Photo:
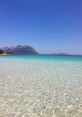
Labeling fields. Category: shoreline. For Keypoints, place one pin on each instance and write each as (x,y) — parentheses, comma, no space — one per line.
(5,54)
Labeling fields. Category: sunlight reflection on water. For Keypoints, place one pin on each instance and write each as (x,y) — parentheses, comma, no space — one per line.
(40,89)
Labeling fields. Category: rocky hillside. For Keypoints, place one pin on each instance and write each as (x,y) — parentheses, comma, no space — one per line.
(4,52)
(1,51)
(20,50)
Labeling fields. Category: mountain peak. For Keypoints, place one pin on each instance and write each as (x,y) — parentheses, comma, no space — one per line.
(20,49)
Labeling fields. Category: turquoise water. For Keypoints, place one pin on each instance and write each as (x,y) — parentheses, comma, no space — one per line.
(41,86)
(43,57)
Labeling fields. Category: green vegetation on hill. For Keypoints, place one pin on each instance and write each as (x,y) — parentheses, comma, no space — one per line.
(1,51)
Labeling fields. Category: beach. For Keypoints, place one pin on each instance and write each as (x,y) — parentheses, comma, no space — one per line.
(45,87)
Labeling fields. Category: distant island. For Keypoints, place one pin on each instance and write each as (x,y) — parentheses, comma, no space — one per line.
(62,54)
(25,50)
(20,50)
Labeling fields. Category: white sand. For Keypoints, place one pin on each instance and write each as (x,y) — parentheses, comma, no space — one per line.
(40,89)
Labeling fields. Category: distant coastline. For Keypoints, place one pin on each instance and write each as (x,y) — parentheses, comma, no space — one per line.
(27,50)
(3,53)
(20,50)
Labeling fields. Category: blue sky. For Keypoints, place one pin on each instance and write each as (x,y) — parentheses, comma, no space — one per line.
(50,26)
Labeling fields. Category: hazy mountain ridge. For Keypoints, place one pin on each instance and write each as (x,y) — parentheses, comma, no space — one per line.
(19,49)
(26,50)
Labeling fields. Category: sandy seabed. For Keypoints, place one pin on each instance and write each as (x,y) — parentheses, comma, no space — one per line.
(40,89)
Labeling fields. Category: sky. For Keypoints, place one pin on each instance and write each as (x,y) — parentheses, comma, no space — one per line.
(50,26)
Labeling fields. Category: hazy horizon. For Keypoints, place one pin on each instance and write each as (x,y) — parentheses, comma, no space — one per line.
(54,52)
(50,26)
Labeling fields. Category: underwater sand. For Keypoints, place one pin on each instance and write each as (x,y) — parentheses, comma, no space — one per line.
(40,88)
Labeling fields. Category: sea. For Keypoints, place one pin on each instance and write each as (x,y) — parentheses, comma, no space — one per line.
(40,86)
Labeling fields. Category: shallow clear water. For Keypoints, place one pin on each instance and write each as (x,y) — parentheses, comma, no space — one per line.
(41,86)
